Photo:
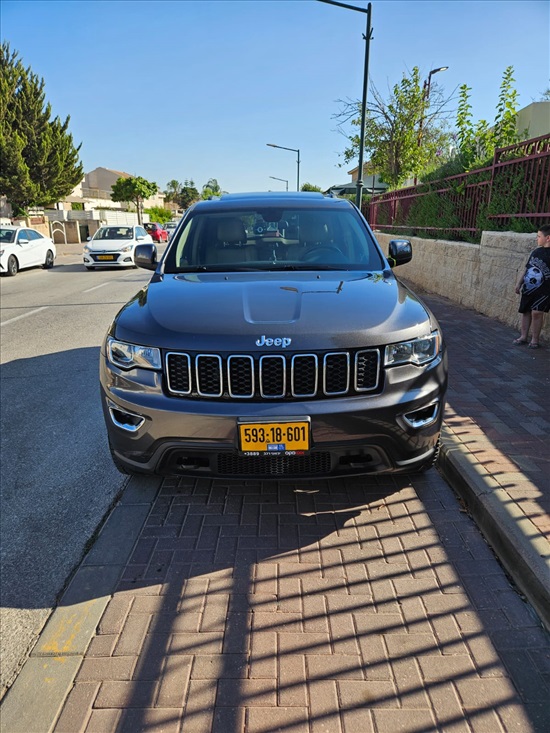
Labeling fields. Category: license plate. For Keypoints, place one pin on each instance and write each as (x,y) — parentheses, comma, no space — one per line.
(283,437)
(106,257)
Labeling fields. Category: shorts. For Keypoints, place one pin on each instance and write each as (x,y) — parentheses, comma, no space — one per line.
(534,302)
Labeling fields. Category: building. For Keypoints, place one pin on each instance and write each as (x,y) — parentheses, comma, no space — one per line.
(96,188)
(534,120)
(371,183)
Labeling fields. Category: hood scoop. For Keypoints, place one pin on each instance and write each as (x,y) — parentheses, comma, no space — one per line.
(271,303)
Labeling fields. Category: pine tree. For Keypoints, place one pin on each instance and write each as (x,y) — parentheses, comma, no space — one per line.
(40,164)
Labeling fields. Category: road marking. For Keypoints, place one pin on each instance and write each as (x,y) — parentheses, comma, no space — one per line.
(101,285)
(24,315)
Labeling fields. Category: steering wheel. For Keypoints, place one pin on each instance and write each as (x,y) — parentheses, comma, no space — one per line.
(318,254)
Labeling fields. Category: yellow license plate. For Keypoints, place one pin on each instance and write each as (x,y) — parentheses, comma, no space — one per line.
(106,257)
(286,436)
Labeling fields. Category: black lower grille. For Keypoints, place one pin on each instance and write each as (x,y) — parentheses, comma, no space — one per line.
(232,464)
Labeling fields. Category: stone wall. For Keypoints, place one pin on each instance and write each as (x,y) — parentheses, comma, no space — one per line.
(477,276)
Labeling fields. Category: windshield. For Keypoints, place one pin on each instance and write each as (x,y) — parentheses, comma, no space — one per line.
(272,239)
(114,233)
(7,236)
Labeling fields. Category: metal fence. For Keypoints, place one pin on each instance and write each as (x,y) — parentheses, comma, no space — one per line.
(514,188)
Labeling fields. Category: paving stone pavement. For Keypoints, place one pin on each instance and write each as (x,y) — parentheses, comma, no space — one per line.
(366,605)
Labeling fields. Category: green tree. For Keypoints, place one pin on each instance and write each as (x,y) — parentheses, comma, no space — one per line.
(188,194)
(211,188)
(405,134)
(159,214)
(477,142)
(40,164)
(173,190)
(310,187)
(135,191)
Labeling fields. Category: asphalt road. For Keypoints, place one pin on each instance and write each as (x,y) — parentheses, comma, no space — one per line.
(57,477)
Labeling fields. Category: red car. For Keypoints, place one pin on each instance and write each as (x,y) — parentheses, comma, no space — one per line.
(157,232)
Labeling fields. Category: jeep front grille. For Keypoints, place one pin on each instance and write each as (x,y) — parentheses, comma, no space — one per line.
(272,376)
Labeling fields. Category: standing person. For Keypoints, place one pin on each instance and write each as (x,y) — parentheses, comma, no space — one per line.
(533,285)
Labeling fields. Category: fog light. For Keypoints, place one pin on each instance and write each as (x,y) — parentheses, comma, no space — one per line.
(126,420)
(423,417)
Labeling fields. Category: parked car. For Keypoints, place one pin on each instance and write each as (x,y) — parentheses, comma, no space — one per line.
(296,355)
(113,246)
(22,247)
(170,227)
(157,232)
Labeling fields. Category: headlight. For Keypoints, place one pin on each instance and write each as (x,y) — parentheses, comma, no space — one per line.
(128,356)
(86,250)
(128,248)
(418,351)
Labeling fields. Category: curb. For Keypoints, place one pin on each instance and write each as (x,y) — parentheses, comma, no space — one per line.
(522,550)
(48,674)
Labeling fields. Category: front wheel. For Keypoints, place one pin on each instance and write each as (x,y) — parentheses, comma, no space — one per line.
(432,461)
(89,268)
(13,266)
(121,467)
(48,262)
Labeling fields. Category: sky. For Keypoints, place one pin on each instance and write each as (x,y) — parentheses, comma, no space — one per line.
(195,89)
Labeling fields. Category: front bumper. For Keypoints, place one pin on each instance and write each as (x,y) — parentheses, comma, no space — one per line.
(396,431)
(116,259)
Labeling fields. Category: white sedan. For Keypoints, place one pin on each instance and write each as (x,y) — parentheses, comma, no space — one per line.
(113,246)
(22,247)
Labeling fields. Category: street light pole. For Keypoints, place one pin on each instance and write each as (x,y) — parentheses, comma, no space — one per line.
(280,179)
(367,37)
(425,98)
(294,150)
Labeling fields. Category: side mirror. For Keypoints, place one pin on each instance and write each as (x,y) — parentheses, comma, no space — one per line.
(22,241)
(400,252)
(88,239)
(145,255)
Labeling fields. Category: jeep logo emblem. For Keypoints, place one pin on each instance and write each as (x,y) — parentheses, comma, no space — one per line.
(264,341)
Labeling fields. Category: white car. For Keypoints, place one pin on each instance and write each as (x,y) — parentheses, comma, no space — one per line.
(22,247)
(113,246)
(170,227)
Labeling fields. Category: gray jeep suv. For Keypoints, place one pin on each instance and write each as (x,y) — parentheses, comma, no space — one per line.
(273,340)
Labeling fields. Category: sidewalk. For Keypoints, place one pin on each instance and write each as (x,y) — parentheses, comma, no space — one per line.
(193,562)
(496,447)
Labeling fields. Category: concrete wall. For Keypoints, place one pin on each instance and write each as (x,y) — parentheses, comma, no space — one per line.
(477,276)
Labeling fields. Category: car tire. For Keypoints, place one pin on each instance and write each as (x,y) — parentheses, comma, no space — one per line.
(49,261)
(121,467)
(89,268)
(432,461)
(13,266)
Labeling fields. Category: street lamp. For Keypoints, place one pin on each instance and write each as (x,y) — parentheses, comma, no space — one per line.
(367,38)
(425,97)
(280,179)
(294,150)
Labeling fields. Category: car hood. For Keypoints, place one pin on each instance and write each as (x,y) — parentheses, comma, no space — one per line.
(234,311)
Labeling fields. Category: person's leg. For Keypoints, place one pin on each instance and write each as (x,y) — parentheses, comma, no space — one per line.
(525,325)
(537,318)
